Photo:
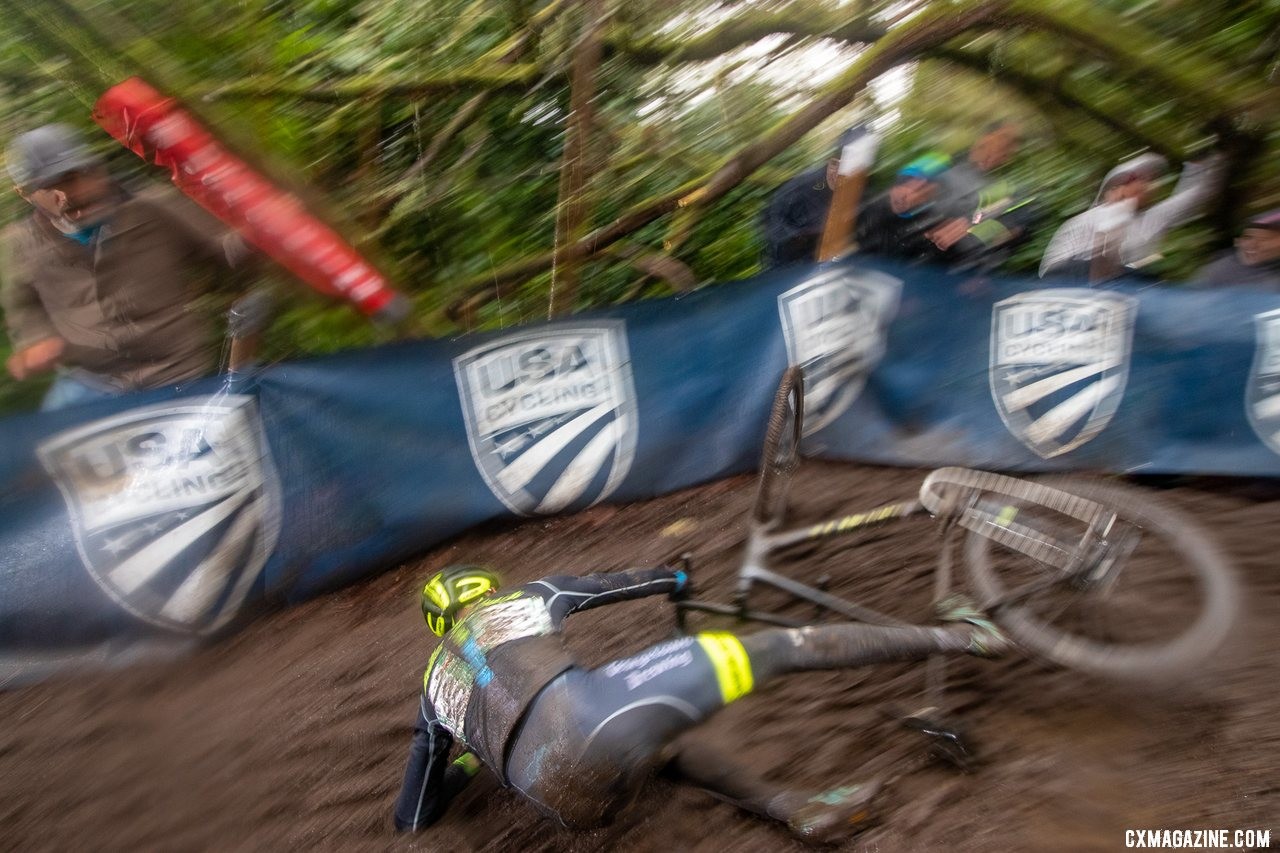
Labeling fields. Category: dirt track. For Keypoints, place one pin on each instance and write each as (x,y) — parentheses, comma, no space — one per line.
(293,733)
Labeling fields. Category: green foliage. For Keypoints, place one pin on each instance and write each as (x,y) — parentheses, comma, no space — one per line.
(490,196)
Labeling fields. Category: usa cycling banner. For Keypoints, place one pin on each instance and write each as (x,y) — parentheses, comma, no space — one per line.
(146,524)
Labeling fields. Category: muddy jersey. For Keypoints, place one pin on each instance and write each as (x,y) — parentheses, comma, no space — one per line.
(491,666)
(512,634)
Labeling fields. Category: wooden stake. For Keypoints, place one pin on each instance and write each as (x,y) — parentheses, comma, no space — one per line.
(856,156)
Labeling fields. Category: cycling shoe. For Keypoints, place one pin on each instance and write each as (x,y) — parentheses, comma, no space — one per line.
(834,815)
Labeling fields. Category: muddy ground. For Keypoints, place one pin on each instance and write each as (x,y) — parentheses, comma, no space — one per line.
(293,733)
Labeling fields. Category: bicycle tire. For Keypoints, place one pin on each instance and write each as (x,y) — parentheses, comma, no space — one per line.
(781,454)
(1214,602)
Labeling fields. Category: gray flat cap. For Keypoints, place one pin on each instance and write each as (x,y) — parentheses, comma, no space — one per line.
(39,157)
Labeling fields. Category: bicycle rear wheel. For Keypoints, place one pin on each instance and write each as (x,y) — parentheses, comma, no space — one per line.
(781,454)
(1152,597)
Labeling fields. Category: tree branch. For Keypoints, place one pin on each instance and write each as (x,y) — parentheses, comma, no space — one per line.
(485,76)
(491,72)
(1047,90)
(653,264)
(929,30)
(1197,81)
(804,21)
(900,45)
(507,53)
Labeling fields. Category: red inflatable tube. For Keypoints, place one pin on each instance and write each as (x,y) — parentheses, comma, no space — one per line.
(157,128)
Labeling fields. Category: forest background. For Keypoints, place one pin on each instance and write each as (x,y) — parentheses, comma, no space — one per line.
(509,160)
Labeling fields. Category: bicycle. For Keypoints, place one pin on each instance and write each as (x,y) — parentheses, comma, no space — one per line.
(1048,559)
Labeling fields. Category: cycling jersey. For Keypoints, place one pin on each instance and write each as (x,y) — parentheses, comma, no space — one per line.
(489,668)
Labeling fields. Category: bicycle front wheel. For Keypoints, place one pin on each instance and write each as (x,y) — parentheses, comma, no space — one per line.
(1148,595)
(781,455)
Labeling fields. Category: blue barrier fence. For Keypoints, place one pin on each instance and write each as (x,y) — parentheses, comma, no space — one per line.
(143,524)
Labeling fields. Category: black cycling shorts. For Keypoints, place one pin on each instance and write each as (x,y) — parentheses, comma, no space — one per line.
(592,737)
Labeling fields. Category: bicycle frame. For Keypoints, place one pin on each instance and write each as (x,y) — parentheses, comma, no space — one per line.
(987,505)
(762,543)
(765,540)
(1089,558)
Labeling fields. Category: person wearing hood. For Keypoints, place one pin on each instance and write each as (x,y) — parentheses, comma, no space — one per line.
(1255,260)
(893,223)
(793,220)
(1123,229)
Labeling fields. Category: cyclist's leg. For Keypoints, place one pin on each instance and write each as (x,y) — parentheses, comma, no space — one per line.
(825,816)
(844,645)
(593,737)
(834,814)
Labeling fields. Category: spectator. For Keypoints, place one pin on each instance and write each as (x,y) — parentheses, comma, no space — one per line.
(99,283)
(796,215)
(1123,230)
(892,224)
(983,215)
(1254,262)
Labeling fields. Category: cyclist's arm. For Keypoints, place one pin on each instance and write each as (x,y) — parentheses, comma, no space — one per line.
(565,594)
(430,780)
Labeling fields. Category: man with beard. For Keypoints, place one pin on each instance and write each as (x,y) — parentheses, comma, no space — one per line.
(100,284)
(983,215)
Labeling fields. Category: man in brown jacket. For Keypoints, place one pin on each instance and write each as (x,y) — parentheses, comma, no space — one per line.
(102,285)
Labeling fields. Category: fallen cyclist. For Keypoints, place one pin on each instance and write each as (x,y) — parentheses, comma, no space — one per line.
(580,743)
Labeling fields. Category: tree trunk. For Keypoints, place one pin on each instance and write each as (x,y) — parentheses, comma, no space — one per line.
(576,167)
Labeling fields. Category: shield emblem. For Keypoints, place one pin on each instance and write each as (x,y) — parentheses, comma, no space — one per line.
(174,508)
(1059,364)
(1262,398)
(551,414)
(835,325)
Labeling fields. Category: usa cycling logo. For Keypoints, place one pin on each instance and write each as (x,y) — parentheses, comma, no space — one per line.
(1059,364)
(835,326)
(174,507)
(1262,399)
(551,415)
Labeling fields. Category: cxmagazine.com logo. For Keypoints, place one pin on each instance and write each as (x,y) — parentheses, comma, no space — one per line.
(1199,839)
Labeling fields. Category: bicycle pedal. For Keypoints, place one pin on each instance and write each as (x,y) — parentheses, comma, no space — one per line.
(947,741)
